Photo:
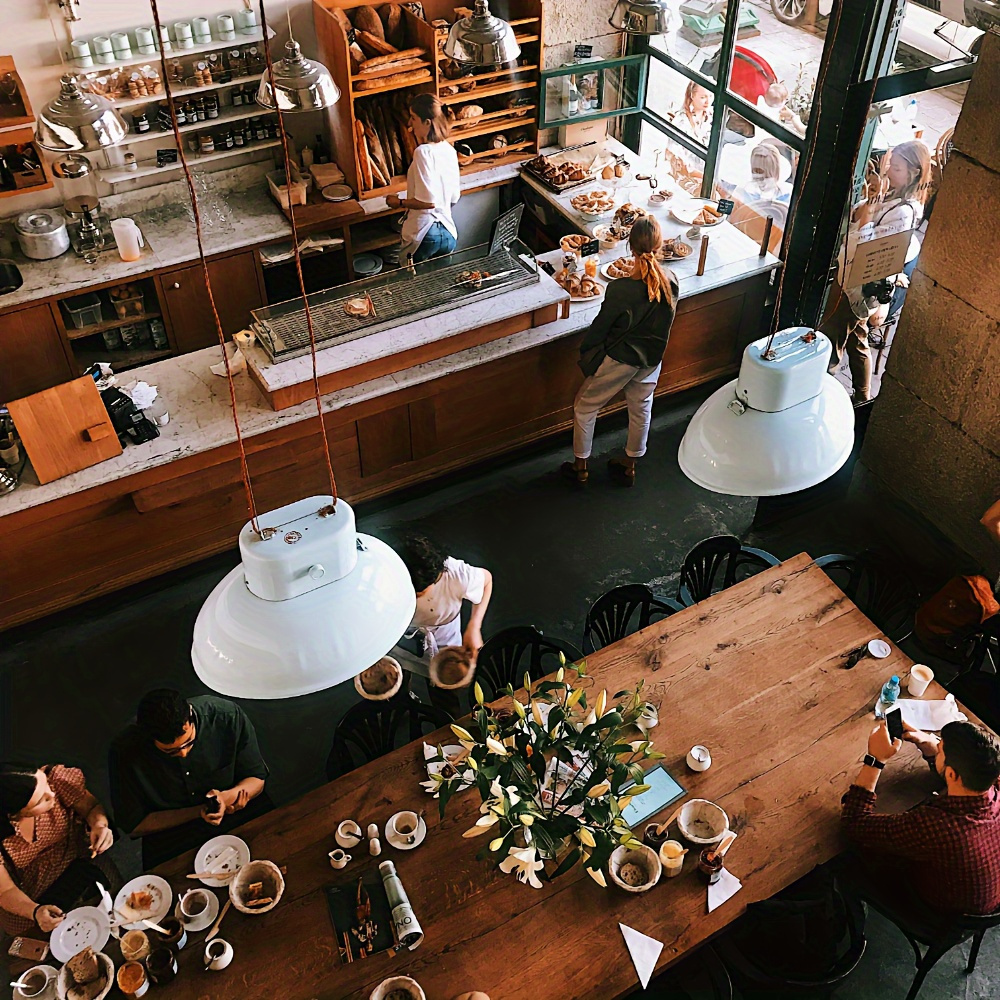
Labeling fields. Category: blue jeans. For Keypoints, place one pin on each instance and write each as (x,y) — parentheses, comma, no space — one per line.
(436,243)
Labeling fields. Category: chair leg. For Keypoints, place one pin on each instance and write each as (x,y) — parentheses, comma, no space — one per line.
(930,959)
(974,952)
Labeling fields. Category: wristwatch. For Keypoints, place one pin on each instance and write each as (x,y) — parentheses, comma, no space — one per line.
(870,761)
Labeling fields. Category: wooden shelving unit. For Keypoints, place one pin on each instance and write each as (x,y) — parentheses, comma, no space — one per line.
(23,135)
(17,129)
(491,88)
(78,333)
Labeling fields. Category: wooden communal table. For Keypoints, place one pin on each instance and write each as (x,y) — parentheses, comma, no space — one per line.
(755,673)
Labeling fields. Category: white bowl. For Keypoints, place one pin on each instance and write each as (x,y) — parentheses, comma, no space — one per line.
(645,857)
(65,980)
(385,987)
(257,871)
(702,822)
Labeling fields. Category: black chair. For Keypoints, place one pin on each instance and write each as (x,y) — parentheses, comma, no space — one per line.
(938,936)
(717,563)
(976,686)
(512,652)
(882,593)
(754,980)
(610,617)
(701,976)
(371,729)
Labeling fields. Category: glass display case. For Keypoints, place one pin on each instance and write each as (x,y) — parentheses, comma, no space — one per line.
(588,91)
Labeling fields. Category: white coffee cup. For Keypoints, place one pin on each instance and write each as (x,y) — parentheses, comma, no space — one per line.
(648,717)
(403,826)
(218,954)
(338,858)
(919,680)
(348,834)
(39,979)
(193,905)
(374,847)
(699,758)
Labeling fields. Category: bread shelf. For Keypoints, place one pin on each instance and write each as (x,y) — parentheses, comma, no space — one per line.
(497,125)
(492,91)
(73,333)
(117,175)
(358,77)
(425,79)
(153,59)
(229,114)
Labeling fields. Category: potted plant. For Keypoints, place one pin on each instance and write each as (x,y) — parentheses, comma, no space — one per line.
(552,773)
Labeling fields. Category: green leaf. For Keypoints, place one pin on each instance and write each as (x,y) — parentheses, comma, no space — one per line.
(571,859)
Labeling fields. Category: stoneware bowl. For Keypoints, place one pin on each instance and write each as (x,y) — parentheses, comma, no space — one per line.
(452,668)
(387,986)
(65,981)
(644,859)
(387,666)
(702,822)
(256,871)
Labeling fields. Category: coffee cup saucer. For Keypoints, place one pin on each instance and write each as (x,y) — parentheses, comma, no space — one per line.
(400,843)
(204,919)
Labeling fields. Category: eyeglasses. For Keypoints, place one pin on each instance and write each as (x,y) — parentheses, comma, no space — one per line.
(177,751)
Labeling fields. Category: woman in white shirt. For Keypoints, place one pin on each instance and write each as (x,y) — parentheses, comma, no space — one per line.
(433,184)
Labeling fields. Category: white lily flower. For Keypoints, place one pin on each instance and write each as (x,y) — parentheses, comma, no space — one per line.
(463,734)
(586,837)
(602,703)
(496,746)
(598,790)
(524,863)
(536,714)
(598,876)
(482,825)
(589,721)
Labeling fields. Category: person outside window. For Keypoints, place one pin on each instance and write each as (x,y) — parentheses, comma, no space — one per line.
(184,771)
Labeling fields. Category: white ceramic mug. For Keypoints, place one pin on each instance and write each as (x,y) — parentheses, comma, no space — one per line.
(225,27)
(129,239)
(648,717)
(403,826)
(218,954)
(193,905)
(246,21)
(338,858)
(699,758)
(374,847)
(919,679)
(40,978)
(202,30)
(348,834)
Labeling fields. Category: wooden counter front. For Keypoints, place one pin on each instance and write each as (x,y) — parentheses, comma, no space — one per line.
(98,540)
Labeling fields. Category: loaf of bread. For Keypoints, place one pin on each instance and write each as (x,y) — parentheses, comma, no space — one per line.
(342,19)
(403,55)
(372,45)
(393,24)
(470,111)
(395,80)
(365,19)
(84,967)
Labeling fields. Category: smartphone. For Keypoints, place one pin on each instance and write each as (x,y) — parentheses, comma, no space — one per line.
(894,720)
(28,948)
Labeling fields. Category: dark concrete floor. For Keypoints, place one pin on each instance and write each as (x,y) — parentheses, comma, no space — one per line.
(69,682)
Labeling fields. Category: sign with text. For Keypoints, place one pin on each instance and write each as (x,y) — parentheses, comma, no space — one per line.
(878,258)
(726,206)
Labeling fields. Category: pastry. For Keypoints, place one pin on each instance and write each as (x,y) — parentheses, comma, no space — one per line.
(140,901)
(84,967)
(572,242)
(621,268)
(607,173)
(354,307)
(593,203)
(708,216)
(627,215)
(674,249)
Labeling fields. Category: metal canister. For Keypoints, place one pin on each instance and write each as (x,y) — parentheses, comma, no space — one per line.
(42,234)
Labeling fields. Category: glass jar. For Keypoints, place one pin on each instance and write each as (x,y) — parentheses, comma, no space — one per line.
(272,128)
(259,129)
(237,97)
(239,140)
(206,143)
(226,140)
(130,162)
(200,109)
(181,111)
(140,123)
(212,106)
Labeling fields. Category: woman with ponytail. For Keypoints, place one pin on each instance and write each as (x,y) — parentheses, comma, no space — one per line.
(622,350)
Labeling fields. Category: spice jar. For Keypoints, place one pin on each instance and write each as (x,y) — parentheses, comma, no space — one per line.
(141,122)
(237,95)
(226,140)
(272,128)
(130,162)
(259,129)
(200,109)
(212,106)
(206,143)
(238,138)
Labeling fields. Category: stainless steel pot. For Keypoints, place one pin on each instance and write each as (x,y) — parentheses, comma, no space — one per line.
(42,234)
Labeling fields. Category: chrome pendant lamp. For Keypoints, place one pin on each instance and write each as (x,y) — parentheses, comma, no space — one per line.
(300,84)
(641,17)
(784,425)
(78,121)
(482,39)
(312,604)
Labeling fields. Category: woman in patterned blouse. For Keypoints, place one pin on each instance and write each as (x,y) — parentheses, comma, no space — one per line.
(51,828)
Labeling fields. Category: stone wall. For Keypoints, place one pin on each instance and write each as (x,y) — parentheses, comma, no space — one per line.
(934,437)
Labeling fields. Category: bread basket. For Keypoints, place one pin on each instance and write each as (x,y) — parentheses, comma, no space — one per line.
(266,872)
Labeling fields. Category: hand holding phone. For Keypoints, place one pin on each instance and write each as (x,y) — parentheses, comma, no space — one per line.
(894,722)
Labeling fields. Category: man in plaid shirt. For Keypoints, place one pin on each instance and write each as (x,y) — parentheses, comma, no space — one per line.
(949,846)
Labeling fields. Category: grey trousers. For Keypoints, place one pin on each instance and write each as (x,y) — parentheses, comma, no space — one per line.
(610,379)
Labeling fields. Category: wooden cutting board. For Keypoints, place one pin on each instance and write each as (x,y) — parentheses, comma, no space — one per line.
(65,428)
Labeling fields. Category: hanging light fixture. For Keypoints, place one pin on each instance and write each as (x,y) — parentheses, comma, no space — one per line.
(312,604)
(482,39)
(641,17)
(784,425)
(299,84)
(78,121)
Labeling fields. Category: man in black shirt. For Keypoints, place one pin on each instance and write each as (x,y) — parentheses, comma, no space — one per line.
(183,768)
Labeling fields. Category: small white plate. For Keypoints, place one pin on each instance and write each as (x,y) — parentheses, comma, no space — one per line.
(206,919)
(605,271)
(337,192)
(211,849)
(49,993)
(400,842)
(162,895)
(686,210)
(465,776)
(84,927)
(879,648)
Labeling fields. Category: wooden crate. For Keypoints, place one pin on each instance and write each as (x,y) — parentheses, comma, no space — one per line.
(20,113)
(391,99)
(37,181)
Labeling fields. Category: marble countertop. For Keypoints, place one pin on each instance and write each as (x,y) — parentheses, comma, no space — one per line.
(236,212)
(732,255)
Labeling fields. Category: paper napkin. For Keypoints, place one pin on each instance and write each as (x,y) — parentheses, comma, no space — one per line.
(644,951)
(727,887)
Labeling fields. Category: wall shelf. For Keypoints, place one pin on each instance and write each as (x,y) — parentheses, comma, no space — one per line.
(118,175)
(137,102)
(78,333)
(229,114)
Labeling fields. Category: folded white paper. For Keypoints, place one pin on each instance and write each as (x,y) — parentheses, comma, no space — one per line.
(644,951)
(237,364)
(727,887)
(930,716)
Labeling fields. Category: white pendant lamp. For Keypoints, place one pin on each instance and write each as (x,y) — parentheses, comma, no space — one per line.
(300,84)
(482,39)
(312,604)
(78,121)
(784,425)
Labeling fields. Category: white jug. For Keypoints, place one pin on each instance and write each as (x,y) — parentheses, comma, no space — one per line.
(129,239)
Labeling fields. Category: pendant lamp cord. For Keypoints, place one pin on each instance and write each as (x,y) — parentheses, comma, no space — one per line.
(817,111)
(244,469)
(297,253)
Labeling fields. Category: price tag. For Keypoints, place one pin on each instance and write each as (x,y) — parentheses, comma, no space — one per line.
(590,248)
(583,51)
(726,206)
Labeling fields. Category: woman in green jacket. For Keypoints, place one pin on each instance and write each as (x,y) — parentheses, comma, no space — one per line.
(622,350)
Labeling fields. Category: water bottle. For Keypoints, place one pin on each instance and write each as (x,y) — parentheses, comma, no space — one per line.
(408,929)
(890,692)
(911,110)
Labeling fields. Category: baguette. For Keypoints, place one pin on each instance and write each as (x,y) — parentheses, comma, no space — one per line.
(402,117)
(364,161)
(392,130)
(381,124)
(379,164)
(372,45)
(379,72)
(369,64)
(412,76)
